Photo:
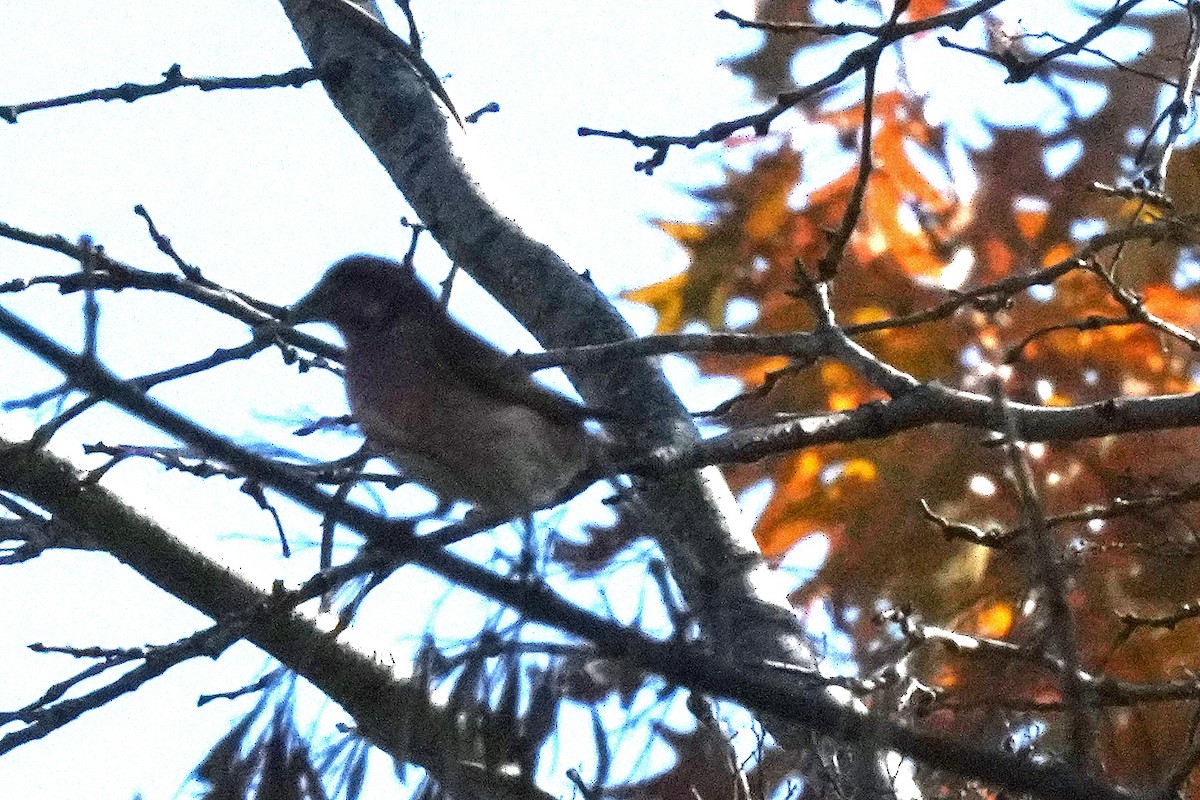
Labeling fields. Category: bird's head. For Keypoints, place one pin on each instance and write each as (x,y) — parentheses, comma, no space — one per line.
(363,293)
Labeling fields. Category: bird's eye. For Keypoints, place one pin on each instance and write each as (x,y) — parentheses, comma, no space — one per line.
(370,313)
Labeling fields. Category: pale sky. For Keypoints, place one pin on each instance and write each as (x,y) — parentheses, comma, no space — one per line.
(262,190)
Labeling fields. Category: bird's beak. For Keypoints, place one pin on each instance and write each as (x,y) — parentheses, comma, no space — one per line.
(309,308)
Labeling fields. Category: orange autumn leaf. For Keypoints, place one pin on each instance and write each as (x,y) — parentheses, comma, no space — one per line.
(892,158)
(995,256)
(754,371)
(890,230)
(1031,222)
(897,124)
(860,469)
(844,388)
(1172,305)
(666,298)
(920,9)
(995,621)
(868,314)
(1057,254)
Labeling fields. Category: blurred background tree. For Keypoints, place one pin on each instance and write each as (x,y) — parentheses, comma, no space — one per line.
(1000,213)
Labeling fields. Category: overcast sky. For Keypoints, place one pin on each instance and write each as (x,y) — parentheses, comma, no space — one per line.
(262,190)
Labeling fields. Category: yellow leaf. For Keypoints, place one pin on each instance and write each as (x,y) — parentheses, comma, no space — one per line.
(996,620)
(685,233)
(860,469)
(665,297)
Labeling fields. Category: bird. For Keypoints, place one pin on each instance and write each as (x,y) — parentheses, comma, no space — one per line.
(451,410)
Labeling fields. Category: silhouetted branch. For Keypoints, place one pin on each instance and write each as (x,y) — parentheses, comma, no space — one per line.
(173,78)
(760,123)
(22,471)
(1046,564)
(51,712)
(1020,70)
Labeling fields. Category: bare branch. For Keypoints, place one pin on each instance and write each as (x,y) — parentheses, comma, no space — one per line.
(51,712)
(1104,690)
(760,123)
(1046,564)
(1020,71)
(1117,508)
(173,78)
(42,478)
(827,267)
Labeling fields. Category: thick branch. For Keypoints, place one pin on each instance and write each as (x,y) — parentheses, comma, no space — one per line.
(712,555)
(795,697)
(391,712)
(932,404)
(388,710)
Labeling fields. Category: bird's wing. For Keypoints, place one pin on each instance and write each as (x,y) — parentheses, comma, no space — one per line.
(486,369)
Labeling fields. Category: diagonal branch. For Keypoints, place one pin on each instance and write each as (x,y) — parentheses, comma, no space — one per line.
(395,715)
(760,123)
(386,708)
(713,556)
(51,712)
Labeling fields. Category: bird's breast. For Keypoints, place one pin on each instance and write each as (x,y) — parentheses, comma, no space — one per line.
(457,441)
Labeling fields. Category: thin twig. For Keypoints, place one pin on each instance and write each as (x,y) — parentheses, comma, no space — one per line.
(1179,109)
(1047,564)
(760,123)
(1119,507)
(1020,71)
(173,78)
(164,245)
(827,267)
(49,713)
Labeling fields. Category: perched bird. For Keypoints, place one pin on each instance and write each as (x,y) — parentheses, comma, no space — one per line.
(448,408)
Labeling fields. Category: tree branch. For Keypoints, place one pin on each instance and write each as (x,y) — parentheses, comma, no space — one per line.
(173,78)
(364,687)
(711,552)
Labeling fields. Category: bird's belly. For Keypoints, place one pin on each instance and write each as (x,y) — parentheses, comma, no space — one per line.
(504,458)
